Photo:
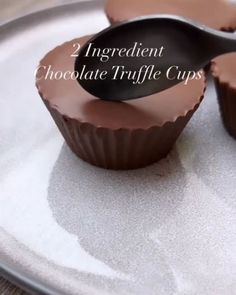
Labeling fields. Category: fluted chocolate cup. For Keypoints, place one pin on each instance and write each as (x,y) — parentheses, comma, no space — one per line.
(114,135)
(224,72)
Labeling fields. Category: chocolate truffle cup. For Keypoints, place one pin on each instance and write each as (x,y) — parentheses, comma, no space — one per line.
(115,135)
(222,12)
(222,17)
(223,70)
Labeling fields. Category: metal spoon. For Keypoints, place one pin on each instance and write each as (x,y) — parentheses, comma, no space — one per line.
(185,44)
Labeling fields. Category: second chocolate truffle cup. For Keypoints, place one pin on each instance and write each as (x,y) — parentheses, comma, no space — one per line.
(222,16)
(226,95)
(116,135)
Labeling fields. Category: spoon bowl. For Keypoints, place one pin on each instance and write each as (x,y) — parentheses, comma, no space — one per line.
(147,55)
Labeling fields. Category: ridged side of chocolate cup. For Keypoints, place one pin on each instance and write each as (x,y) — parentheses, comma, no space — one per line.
(119,149)
(226,96)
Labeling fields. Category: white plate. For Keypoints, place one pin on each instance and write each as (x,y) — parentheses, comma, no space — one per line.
(70,228)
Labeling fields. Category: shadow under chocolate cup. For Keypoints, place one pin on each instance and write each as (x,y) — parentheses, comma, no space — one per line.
(115,135)
(223,70)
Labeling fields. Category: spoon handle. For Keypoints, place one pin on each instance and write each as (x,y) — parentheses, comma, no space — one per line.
(221,42)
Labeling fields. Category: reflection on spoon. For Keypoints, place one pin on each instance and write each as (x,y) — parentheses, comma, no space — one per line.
(143,56)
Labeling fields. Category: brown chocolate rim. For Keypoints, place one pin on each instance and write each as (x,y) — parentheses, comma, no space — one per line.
(216,70)
(219,75)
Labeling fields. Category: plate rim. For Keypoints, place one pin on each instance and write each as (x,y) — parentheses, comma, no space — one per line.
(6,272)
(26,284)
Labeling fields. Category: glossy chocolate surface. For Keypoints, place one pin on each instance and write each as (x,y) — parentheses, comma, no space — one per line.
(71,100)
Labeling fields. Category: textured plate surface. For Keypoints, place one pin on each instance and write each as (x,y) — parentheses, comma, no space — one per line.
(76,229)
